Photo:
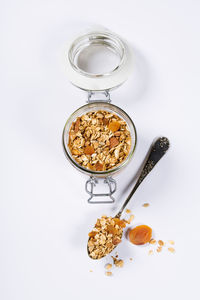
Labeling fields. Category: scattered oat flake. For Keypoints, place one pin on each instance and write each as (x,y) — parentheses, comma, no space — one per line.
(150,252)
(171,242)
(145,205)
(130,219)
(171,249)
(108,266)
(91,271)
(161,243)
(152,242)
(159,249)
(130,258)
(108,273)
(128,211)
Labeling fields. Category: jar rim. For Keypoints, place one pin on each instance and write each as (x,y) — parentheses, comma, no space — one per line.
(96,38)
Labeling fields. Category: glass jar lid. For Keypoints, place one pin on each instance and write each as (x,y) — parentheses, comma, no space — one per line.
(78,53)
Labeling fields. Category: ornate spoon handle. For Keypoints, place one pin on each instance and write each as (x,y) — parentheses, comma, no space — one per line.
(157,151)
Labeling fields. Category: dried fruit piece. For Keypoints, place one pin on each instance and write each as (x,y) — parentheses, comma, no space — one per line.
(161,243)
(108,266)
(114,126)
(140,235)
(111,229)
(108,273)
(99,166)
(171,249)
(89,150)
(113,142)
(145,205)
(92,233)
(152,241)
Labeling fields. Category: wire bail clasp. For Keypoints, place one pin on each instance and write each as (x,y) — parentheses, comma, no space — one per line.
(98,96)
(92,182)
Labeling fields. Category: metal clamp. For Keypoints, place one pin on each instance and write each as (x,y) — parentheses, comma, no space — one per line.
(97,97)
(92,182)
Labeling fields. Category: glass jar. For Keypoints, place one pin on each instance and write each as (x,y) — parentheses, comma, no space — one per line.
(98,87)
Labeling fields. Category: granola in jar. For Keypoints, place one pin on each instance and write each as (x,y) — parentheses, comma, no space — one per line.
(99,140)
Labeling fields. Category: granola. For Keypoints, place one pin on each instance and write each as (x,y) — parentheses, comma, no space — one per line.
(104,237)
(99,140)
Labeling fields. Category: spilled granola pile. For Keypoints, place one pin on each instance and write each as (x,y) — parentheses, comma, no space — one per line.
(99,140)
(107,233)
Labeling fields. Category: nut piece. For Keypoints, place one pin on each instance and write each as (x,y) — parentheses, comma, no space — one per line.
(108,266)
(113,142)
(161,243)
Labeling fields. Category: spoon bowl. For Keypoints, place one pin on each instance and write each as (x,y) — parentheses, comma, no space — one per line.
(158,149)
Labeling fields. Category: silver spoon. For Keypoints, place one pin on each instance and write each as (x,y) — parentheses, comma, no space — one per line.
(158,149)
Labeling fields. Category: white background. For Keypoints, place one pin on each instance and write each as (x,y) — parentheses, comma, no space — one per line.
(44,214)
